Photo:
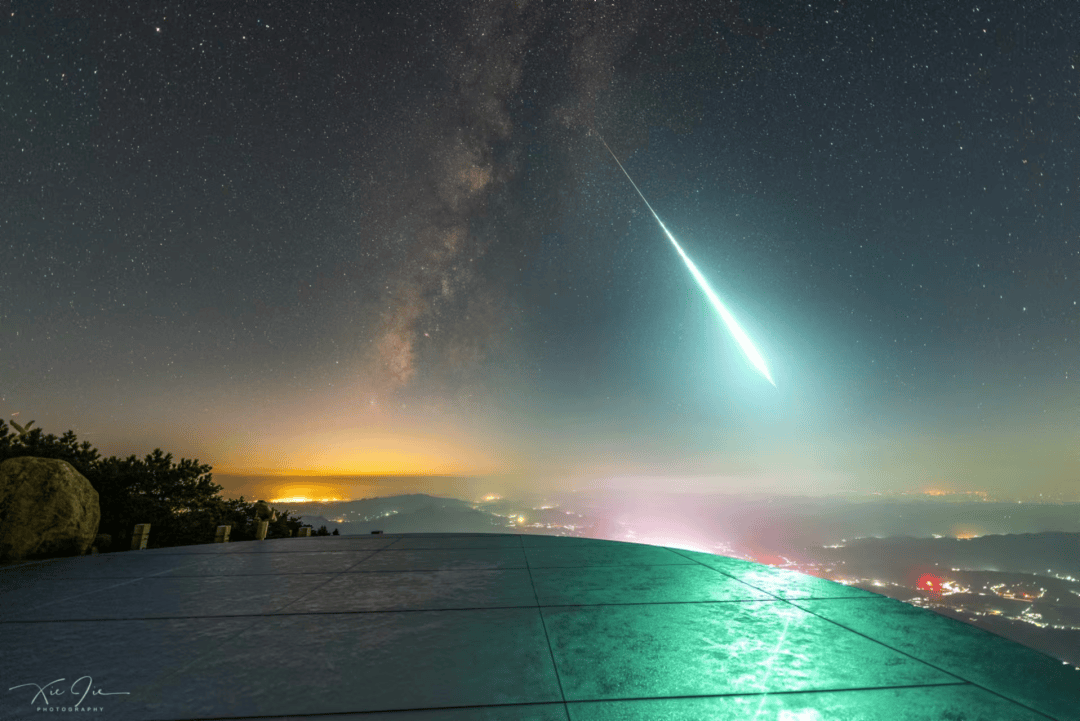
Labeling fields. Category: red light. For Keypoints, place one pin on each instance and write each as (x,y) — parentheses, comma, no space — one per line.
(930,583)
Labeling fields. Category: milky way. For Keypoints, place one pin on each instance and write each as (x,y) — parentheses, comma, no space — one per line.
(276,236)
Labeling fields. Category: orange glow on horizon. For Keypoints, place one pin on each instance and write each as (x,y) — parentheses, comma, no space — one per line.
(255,473)
(967,531)
(357,452)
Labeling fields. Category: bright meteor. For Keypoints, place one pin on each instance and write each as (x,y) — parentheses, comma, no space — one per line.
(733,326)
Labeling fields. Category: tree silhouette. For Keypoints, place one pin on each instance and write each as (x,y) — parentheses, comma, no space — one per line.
(179,501)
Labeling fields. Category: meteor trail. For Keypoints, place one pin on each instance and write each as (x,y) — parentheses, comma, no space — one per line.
(733,326)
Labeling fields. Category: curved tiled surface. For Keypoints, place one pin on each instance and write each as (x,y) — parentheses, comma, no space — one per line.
(449,627)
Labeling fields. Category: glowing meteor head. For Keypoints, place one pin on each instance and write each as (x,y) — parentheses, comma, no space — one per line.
(733,326)
(745,344)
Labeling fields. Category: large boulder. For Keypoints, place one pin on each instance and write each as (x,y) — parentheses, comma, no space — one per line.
(263,512)
(102,543)
(47,509)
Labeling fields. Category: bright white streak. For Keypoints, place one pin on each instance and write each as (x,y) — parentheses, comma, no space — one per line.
(733,326)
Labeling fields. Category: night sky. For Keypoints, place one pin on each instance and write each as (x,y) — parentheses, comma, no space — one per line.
(313,244)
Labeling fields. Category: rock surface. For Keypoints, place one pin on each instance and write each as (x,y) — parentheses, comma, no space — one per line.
(263,512)
(102,543)
(47,509)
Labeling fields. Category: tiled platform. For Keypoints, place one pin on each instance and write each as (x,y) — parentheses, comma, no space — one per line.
(431,627)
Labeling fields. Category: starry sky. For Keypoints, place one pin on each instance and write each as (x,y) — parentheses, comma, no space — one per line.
(345,249)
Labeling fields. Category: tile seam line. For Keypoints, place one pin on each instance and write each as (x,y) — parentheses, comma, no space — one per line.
(98,590)
(387,570)
(904,653)
(543,624)
(462,609)
(933,665)
(633,699)
(163,679)
(422,709)
(756,694)
(817,691)
(695,561)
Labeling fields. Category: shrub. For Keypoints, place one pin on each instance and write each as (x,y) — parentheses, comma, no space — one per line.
(179,501)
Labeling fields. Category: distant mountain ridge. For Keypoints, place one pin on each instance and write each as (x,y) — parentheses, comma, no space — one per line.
(410,513)
(1017,552)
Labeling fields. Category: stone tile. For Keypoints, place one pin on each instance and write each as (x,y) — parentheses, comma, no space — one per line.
(443,534)
(119,657)
(794,585)
(1010,669)
(32,595)
(690,649)
(443,560)
(780,582)
(132,564)
(196,549)
(524,712)
(714,561)
(454,541)
(540,541)
(651,584)
(330,663)
(335,629)
(926,703)
(422,590)
(312,544)
(603,556)
(165,597)
(275,563)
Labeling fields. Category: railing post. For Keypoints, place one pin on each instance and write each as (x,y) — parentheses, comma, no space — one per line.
(222,535)
(140,537)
